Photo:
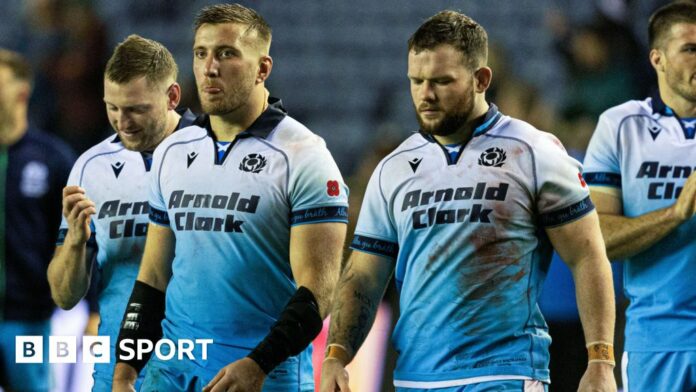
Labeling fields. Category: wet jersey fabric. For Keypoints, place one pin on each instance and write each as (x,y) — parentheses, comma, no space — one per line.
(116,180)
(231,208)
(644,152)
(467,235)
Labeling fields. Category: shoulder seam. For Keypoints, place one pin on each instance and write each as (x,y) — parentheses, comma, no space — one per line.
(619,129)
(84,166)
(164,155)
(379,179)
(531,150)
(287,164)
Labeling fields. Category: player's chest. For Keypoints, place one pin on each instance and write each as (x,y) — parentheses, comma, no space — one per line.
(654,171)
(244,181)
(119,186)
(483,186)
(244,166)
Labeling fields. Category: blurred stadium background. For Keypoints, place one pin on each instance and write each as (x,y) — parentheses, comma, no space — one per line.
(340,68)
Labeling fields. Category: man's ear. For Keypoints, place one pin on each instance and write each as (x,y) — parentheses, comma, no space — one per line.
(484,76)
(657,60)
(173,96)
(265,67)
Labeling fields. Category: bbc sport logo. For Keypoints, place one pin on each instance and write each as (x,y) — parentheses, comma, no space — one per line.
(95,349)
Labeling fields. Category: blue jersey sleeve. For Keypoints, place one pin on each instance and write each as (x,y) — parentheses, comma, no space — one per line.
(375,232)
(562,193)
(317,191)
(602,166)
(158,208)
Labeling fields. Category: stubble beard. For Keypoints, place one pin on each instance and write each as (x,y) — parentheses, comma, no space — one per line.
(150,139)
(685,90)
(229,103)
(451,122)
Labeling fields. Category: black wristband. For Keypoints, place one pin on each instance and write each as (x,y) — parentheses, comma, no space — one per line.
(142,321)
(296,328)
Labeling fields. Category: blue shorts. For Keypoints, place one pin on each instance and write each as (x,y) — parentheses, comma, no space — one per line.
(30,377)
(184,375)
(659,371)
(490,386)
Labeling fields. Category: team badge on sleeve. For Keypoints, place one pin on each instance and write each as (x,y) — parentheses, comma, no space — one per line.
(332,188)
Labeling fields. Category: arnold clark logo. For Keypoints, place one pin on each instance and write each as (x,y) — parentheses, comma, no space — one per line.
(95,349)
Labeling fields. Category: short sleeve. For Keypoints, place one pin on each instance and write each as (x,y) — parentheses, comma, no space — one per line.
(375,232)
(158,208)
(562,193)
(75,178)
(602,166)
(317,191)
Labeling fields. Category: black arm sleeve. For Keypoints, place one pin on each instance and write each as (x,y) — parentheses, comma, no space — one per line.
(296,328)
(143,320)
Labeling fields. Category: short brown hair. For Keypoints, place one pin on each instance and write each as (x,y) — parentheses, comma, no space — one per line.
(662,20)
(456,29)
(136,57)
(234,13)
(20,67)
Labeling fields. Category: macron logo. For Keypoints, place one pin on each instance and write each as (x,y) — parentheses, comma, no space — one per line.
(117,167)
(190,158)
(414,163)
(654,131)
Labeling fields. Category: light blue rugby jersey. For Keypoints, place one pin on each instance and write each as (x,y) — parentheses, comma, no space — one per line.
(641,149)
(116,180)
(470,248)
(231,215)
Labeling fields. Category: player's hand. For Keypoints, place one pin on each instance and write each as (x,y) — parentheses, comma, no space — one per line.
(243,375)
(78,210)
(334,377)
(685,207)
(599,377)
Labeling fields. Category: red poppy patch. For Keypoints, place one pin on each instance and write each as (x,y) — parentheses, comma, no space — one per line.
(582,180)
(332,188)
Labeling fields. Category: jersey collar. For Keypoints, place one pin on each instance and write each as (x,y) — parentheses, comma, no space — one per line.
(482,124)
(659,106)
(263,125)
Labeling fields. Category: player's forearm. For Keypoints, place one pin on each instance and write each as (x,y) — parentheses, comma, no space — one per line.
(156,264)
(315,258)
(625,237)
(354,310)
(322,290)
(68,275)
(594,290)
(124,372)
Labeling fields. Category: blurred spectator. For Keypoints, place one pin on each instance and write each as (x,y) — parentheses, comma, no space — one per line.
(33,168)
(67,44)
(600,63)
(516,97)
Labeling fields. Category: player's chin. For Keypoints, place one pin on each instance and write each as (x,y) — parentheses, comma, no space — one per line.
(139,145)
(431,127)
(215,109)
